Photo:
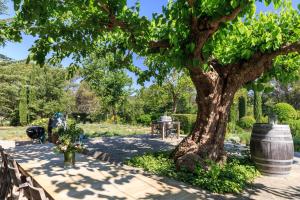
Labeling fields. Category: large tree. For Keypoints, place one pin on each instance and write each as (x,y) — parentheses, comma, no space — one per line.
(222,44)
(179,86)
(86,100)
(112,86)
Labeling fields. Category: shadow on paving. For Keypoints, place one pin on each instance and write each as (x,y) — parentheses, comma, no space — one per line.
(51,165)
(109,182)
(119,149)
(292,192)
(86,186)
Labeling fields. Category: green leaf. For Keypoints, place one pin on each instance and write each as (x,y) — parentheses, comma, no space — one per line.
(17,4)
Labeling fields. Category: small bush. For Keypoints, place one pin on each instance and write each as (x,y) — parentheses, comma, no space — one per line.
(144,119)
(298,114)
(230,178)
(246,122)
(297,144)
(244,135)
(264,119)
(71,121)
(295,127)
(186,121)
(285,112)
(43,122)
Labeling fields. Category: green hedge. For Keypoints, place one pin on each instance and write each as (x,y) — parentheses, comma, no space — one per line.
(186,121)
(246,122)
(285,112)
(144,119)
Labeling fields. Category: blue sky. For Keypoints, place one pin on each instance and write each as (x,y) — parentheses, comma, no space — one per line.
(19,51)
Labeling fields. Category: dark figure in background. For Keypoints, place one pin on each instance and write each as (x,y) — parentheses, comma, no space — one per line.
(58,120)
(50,130)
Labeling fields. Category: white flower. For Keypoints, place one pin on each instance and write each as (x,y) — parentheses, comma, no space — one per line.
(64,148)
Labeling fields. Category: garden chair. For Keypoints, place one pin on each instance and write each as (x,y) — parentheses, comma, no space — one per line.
(5,180)
(35,193)
(155,129)
(171,130)
(17,186)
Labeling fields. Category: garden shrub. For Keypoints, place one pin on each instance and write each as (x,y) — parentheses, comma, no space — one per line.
(156,116)
(298,114)
(71,121)
(114,119)
(43,122)
(230,178)
(242,105)
(244,135)
(144,119)
(295,127)
(297,144)
(264,119)
(246,122)
(285,112)
(230,129)
(186,121)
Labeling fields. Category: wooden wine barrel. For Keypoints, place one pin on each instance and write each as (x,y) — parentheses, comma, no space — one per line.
(272,148)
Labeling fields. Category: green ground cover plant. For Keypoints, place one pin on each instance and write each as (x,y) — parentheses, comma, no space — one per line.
(233,177)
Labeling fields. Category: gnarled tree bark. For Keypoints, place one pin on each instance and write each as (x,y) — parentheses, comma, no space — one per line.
(215,93)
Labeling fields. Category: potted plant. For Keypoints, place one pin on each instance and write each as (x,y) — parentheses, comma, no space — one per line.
(68,143)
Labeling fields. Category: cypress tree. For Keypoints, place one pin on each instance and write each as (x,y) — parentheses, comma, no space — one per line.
(23,106)
(257,106)
(242,106)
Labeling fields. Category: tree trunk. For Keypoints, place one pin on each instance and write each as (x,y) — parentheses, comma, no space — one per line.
(214,98)
(175,102)
(114,112)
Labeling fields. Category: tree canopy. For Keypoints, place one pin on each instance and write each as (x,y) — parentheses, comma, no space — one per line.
(75,29)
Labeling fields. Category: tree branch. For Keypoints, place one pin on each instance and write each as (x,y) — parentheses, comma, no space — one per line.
(259,63)
(216,23)
(159,44)
(208,28)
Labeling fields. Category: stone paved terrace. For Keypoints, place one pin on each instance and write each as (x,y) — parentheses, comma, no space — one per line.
(96,179)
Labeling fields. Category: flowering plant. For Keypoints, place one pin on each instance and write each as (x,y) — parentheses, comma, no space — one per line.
(68,140)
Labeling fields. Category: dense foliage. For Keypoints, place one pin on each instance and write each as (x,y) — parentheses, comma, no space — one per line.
(112,86)
(29,92)
(230,178)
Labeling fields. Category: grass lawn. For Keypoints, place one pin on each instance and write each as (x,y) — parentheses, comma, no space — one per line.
(13,133)
(92,130)
(107,129)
